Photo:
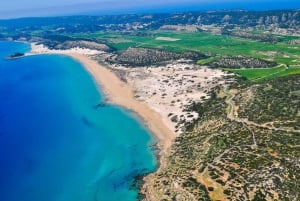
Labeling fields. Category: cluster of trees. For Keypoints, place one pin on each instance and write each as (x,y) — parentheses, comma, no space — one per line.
(241,62)
(148,56)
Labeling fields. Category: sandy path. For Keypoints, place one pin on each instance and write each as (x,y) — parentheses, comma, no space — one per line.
(121,94)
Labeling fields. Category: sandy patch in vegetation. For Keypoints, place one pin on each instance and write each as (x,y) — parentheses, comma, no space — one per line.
(167,39)
(170,89)
(41,49)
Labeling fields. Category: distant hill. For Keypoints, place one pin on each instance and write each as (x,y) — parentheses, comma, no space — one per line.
(227,20)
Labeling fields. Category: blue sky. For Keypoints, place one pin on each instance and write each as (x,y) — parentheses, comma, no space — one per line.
(23,8)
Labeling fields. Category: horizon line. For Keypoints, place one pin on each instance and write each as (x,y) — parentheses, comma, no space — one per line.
(144,11)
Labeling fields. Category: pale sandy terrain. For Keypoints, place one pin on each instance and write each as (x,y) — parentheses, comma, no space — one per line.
(169,89)
(167,39)
(41,49)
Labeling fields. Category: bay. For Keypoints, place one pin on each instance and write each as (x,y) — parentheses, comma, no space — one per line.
(57,141)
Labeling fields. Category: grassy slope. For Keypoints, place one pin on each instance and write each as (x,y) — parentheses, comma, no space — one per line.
(266,73)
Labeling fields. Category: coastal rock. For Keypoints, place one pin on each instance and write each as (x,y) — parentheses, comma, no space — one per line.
(15,55)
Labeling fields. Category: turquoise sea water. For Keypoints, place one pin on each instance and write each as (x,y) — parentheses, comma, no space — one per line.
(55,143)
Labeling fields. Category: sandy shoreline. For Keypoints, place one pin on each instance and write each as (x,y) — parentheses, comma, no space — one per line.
(120,93)
(116,91)
(159,95)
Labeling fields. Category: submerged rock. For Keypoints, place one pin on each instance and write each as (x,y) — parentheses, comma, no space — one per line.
(15,55)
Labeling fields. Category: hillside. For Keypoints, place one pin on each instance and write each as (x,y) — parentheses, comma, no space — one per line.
(220,21)
(244,146)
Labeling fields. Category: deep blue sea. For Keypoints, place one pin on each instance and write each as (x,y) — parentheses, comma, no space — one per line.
(55,143)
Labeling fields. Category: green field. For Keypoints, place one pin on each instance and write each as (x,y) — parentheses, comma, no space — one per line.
(258,75)
(206,61)
(283,53)
(202,42)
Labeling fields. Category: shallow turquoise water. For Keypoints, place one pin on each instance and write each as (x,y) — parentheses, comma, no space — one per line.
(55,143)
